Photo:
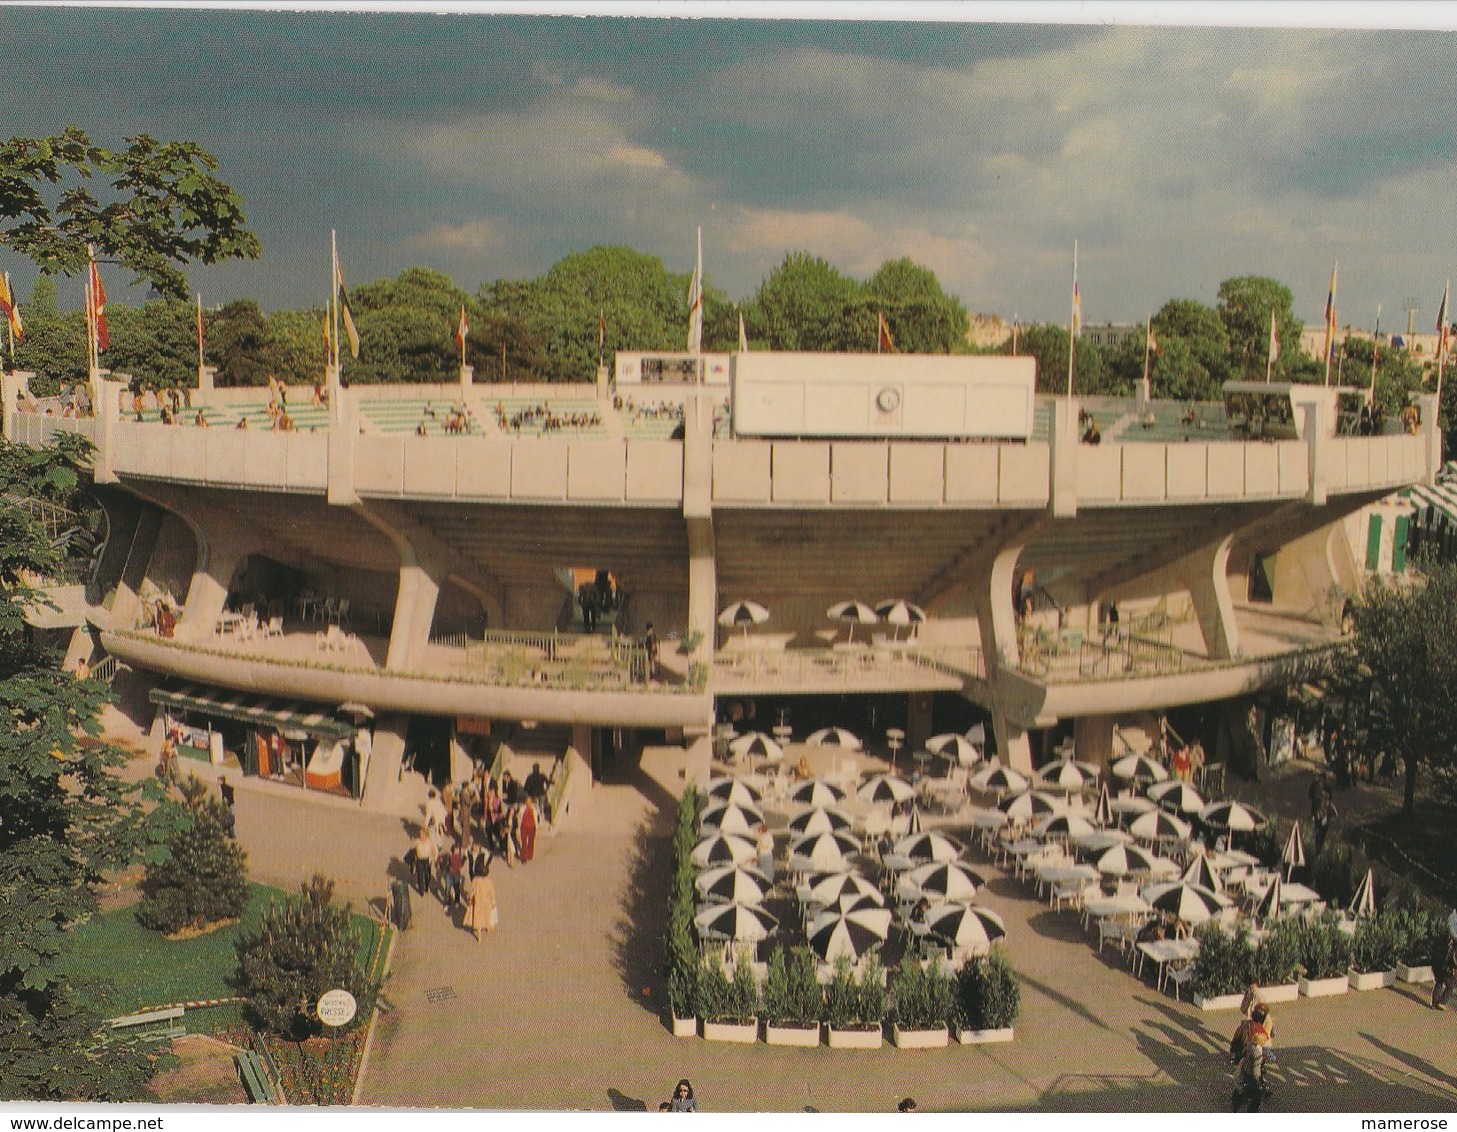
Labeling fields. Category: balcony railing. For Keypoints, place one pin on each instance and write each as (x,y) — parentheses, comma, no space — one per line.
(913,666)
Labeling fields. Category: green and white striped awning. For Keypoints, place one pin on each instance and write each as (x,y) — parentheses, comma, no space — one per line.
(1435,503)
(245,707)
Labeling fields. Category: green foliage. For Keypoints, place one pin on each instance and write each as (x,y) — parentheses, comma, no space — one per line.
(870,1002)
(805,997)
(842,998)
(1048,344)
(775,1005)
(1378,942)
(1245,303)
(202,879)
(165,208)
(989,993)
(1325,950)
(714,992)
(681,961)
(1421,934)
(1276,956)
(305,946)
(923,997)
(1193,362)
(743,997)
(1224,964)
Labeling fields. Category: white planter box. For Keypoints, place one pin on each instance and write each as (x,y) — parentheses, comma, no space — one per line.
(855,1039)
(1219,1002)
(685,1027)
(983,1037)
(919,1039)
(1414,974)
(746,1033)
(1324,988)
(1285,992)
(1372,980)
(804,1036)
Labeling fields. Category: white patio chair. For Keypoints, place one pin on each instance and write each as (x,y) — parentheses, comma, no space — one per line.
(275,626)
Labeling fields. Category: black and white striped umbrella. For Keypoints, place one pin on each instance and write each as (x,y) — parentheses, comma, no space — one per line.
(1177,797)
(741,922)
(999,779)
(816,793)
(730,817)
(1202,874)
(965,926)
(1159,826)
(743,613)
(819,821)
(1188,902)
(885,788)
(1270,905)
(1364,902)
(826,849)
(1293,855)
(853,613)
(1132,805)
(851,934)
(1121,860)
(941,881)
(1103,810)
(724,849)
(732,790)
(732,884)
(826,888)
(849,901)
(834,737)
(1139,768)
(928,846)
(957,748)
(1063,825)
(898,611)
(1032,804)
(1068,774)
(756,745)
(1235,816)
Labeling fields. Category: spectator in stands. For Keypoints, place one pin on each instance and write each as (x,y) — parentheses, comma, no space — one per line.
(83,670)
(1092,434)
(587,600)
(200,420)
(321,396)
(242,422)
(511,792)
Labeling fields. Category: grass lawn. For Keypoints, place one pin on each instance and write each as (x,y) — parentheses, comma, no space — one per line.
(144,969)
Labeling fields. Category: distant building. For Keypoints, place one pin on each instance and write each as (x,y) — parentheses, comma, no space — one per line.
(1111,335)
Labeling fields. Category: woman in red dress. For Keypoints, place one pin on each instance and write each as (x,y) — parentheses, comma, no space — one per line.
(528,831)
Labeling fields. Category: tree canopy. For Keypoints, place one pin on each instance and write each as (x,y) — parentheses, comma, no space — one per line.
(1245,303)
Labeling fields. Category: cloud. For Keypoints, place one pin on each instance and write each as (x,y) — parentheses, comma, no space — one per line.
(476,237)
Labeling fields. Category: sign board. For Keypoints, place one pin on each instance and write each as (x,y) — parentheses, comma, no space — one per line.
(337,1008)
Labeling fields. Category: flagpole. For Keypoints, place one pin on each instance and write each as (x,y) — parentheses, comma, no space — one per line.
(333,302)
(1147,339)
(1270,353)
(1375,346)
(1072,323)
(199,333)
(1330,321)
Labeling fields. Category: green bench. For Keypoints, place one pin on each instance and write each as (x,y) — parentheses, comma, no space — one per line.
(254,1075)
(152,1025)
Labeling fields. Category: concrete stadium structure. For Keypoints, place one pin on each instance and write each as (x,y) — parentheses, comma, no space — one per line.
(458,552)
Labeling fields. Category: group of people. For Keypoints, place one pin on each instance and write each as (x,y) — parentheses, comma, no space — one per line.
(1251,1050)
(544,419)
(466,827)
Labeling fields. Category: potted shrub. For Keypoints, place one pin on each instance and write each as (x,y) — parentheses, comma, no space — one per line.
(922,998)
(989,998)
(1222,971)
(735,1002)
(683,969)
(792,1000)
(1275,961)
(1325,956)
(850,1019)
(1374,953)
(1420,932)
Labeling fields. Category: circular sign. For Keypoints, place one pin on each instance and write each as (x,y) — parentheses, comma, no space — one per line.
(337,1007)
(888,399)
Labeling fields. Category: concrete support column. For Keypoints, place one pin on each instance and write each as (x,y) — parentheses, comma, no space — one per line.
(414,614)
(1064,440)
(582,744)
(698,515)
(1012,743)
(467,378)
(1427,405)
(1093,738)
(205,383)
(207,595)
(343,438)
(995,616)
(1206,572)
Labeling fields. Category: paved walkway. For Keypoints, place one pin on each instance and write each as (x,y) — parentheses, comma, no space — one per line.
(548,1012)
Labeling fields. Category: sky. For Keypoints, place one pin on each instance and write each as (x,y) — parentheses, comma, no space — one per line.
(489,146)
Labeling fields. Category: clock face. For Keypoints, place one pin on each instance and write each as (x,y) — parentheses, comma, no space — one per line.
(888,399)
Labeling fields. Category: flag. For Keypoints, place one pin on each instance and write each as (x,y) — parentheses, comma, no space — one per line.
(1444,329)
(350,330)
(1330,315)
(695,303)
(1016,326)
(1077,331)
(1375,345)
(11,309)
(743,335)
(462,330)
(883,341)
(96,305)
(1274,337)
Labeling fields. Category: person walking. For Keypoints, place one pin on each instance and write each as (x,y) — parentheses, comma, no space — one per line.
(683,1098)
(422,861)
(481,914)
(1252,1090)
(527,831)
(1444,971)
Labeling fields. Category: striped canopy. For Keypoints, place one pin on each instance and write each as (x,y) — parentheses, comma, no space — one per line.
(1188,902)
(1157,825)
(999,778)
(928,846)
(260,711)
(1139,768)
(965,926)
(834,737)
(756,745)
(851,934)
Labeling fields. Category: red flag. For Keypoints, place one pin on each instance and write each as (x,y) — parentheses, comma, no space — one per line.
(463,329)
(96,296)
(11,309)
(883,341)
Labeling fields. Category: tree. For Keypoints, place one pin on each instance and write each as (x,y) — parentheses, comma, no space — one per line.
(156,343)
(54,347)
(1245,303)
(923,319)
(66,819)
(1048,344)
(165,208)
(305,946)
(1193,359)
(202,878)
(802,306)
(1398,670)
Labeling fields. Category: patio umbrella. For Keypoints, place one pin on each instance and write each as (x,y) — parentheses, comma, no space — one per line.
(851,934)
(1032,804)
(999,778)
(743,613)
(756,745)
(987,819)
(724,849)
(730,817)
(885,788)
(732,790)
(1063,825)
(853,613)
(1269,906)
(965,926)
(816,793)
(928,846)
(957,748)
(819,821)
(1188,902)
(1099,840)
(824,848)
(834,737)
(941,881)
(1293,854)
(1177,797)
(1068,774)
(976,735)
(1199,872)
(825,888)
(1132,805)
(1121,860)
(1234,816)
(1139,768)
(1157,826)
(734,921)
(852,902)
(1364,902)
(731,884)
(898,612)
(1103,811)
(914,824)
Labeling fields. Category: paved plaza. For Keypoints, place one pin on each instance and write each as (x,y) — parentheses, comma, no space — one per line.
(549,1011)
